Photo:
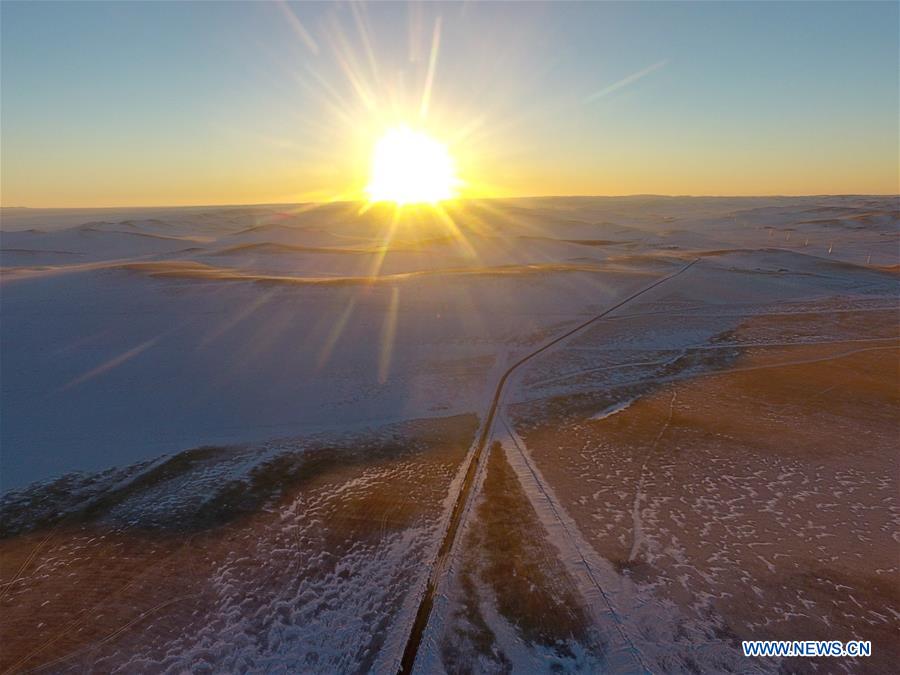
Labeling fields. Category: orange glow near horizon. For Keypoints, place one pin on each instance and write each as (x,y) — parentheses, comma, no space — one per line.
(421,103)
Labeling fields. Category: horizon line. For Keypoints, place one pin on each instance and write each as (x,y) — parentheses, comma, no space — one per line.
(458,199)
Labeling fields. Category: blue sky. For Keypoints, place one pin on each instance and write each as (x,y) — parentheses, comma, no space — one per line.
(175,103)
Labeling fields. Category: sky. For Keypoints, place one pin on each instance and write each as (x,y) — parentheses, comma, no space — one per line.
(145,104)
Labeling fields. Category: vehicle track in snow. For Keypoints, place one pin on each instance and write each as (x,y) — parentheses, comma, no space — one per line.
(465,494)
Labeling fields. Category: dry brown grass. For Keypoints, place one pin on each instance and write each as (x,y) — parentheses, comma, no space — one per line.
(507,554)
(769,489)
(520,564)
(90,593)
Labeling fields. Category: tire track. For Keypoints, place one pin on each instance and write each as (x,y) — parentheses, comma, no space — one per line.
(426,604)
(592,577)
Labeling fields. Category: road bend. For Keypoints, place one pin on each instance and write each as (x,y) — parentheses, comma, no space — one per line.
(411,651)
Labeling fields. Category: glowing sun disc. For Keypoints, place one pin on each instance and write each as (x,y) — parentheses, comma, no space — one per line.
(411,167)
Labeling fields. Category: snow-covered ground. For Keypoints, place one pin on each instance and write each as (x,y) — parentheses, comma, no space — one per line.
(229,392)
(135,334)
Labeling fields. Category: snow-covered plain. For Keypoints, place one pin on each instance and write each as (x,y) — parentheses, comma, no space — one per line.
(290,342)
(132,335)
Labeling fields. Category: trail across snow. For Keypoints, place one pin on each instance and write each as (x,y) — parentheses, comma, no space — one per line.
(466,493)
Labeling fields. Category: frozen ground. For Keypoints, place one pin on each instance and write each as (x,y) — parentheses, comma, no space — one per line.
(287,556)
(233,436)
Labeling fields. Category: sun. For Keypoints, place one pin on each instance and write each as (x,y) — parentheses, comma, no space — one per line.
(411,167)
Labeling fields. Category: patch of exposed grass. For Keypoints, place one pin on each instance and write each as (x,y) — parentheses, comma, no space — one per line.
(266,483)
(472,636)
(532,588)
